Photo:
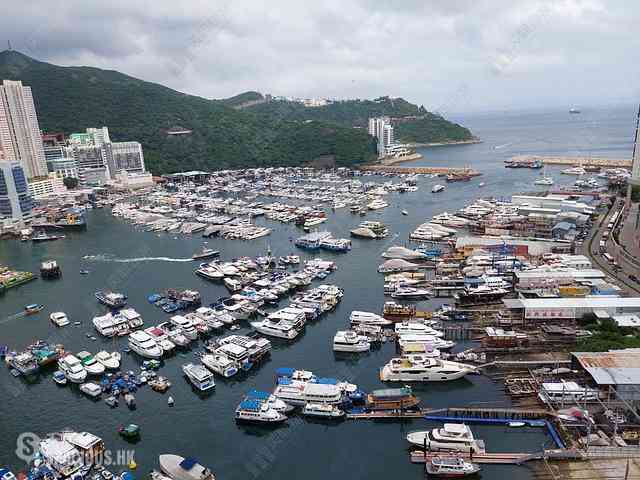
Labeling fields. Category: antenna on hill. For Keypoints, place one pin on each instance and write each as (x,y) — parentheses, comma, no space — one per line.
(9,45)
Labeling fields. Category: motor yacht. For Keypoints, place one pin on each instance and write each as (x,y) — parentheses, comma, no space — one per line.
(451,437)
(322,410)
(72,368)
(276,328)
(299,393)
(199,376)
(437,188)
(450,467)
(418,368)
(144,345)
(59,319)
(220,363)
(110,361)
(179,468)
(350,341)
(369,318)
(90,363)
(186,327)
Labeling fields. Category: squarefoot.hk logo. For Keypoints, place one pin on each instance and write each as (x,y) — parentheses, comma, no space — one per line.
(27,446)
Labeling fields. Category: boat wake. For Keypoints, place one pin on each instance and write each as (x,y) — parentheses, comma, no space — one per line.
(504,145)
(104,257)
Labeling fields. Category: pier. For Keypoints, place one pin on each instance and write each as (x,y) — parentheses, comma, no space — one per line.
(494,458)
(577,160)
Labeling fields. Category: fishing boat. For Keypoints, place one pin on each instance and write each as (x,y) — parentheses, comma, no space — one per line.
(322,410)
(33,308)
(205,253)
(179,468)
(111,299)
(450,467)
(199,376)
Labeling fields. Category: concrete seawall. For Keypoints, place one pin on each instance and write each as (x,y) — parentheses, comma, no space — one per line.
(578,160)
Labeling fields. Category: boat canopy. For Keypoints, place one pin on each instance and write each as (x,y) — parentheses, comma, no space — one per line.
(258,395)
(327,381)
(285,371)
(250,404)
(188,463)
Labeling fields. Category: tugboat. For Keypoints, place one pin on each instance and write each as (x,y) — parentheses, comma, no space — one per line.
(50,269)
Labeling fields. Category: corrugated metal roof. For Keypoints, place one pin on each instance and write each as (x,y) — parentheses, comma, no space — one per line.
(588,302)
(620,367)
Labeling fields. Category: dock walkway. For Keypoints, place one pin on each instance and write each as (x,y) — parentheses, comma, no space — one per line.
(577,160)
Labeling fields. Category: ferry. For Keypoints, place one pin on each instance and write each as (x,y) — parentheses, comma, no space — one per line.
(295,392)
(255,411)
(111,299)
(392,399)
(199,376)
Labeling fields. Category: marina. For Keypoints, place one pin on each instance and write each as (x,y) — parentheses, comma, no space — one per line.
(116,251)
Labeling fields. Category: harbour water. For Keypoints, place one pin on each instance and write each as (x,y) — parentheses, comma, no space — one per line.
(123,258)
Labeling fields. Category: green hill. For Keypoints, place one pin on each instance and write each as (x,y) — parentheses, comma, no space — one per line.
(69,99)
(412,123)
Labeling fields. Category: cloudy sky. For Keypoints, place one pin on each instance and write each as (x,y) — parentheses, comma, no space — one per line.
(450,55)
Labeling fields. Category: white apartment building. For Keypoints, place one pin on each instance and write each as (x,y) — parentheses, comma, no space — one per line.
(53,184)
(15,202)
(381,128)
(20,138)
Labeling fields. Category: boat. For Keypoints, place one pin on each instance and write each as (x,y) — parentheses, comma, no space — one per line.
(451,437)
(111,299)
(220,363)
(437,188)
(574,171)
(59,319)
(90,364)
(59,377)
(6,474)
(404,212)
(350,341)
(276,328)
(72,368)
(199,376)
(271,400)
(394,311)
(300,393)
(322,410)
(254,411)
(481,184)
(205,253)
(144,345)
(110,361)
(44,237)
(368,318)
(450,467)
(24,363)
(33,308)
(50,269)
(516,424)
(421,368)
(574,110)
(392,399)
(544,181)
(179,468)
(411,293)
(93,390)
(129,431)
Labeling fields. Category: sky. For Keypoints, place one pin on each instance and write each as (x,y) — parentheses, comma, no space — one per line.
(448,55)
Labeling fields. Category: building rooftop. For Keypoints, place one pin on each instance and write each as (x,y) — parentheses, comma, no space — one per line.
(616,367)
(596,302)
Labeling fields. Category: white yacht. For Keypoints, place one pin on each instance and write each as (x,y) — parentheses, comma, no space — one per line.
(437,188)
(210,316)
(93,390)
(110,361)
(59,319)
(90,363)
(279,328)
(179,468)
(415,327)
(350,341)
(72,368)
(358,317)
(377,204)
(544,181)
(254,411)
(186,327)
(220,363)
(450,466)
(199,376)
(411,292)
(419,368)
(575,171)
(162,338)
(145,346)
(322,410)
(299,393)
(451,437)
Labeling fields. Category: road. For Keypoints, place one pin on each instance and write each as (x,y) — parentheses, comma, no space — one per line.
(591,248)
